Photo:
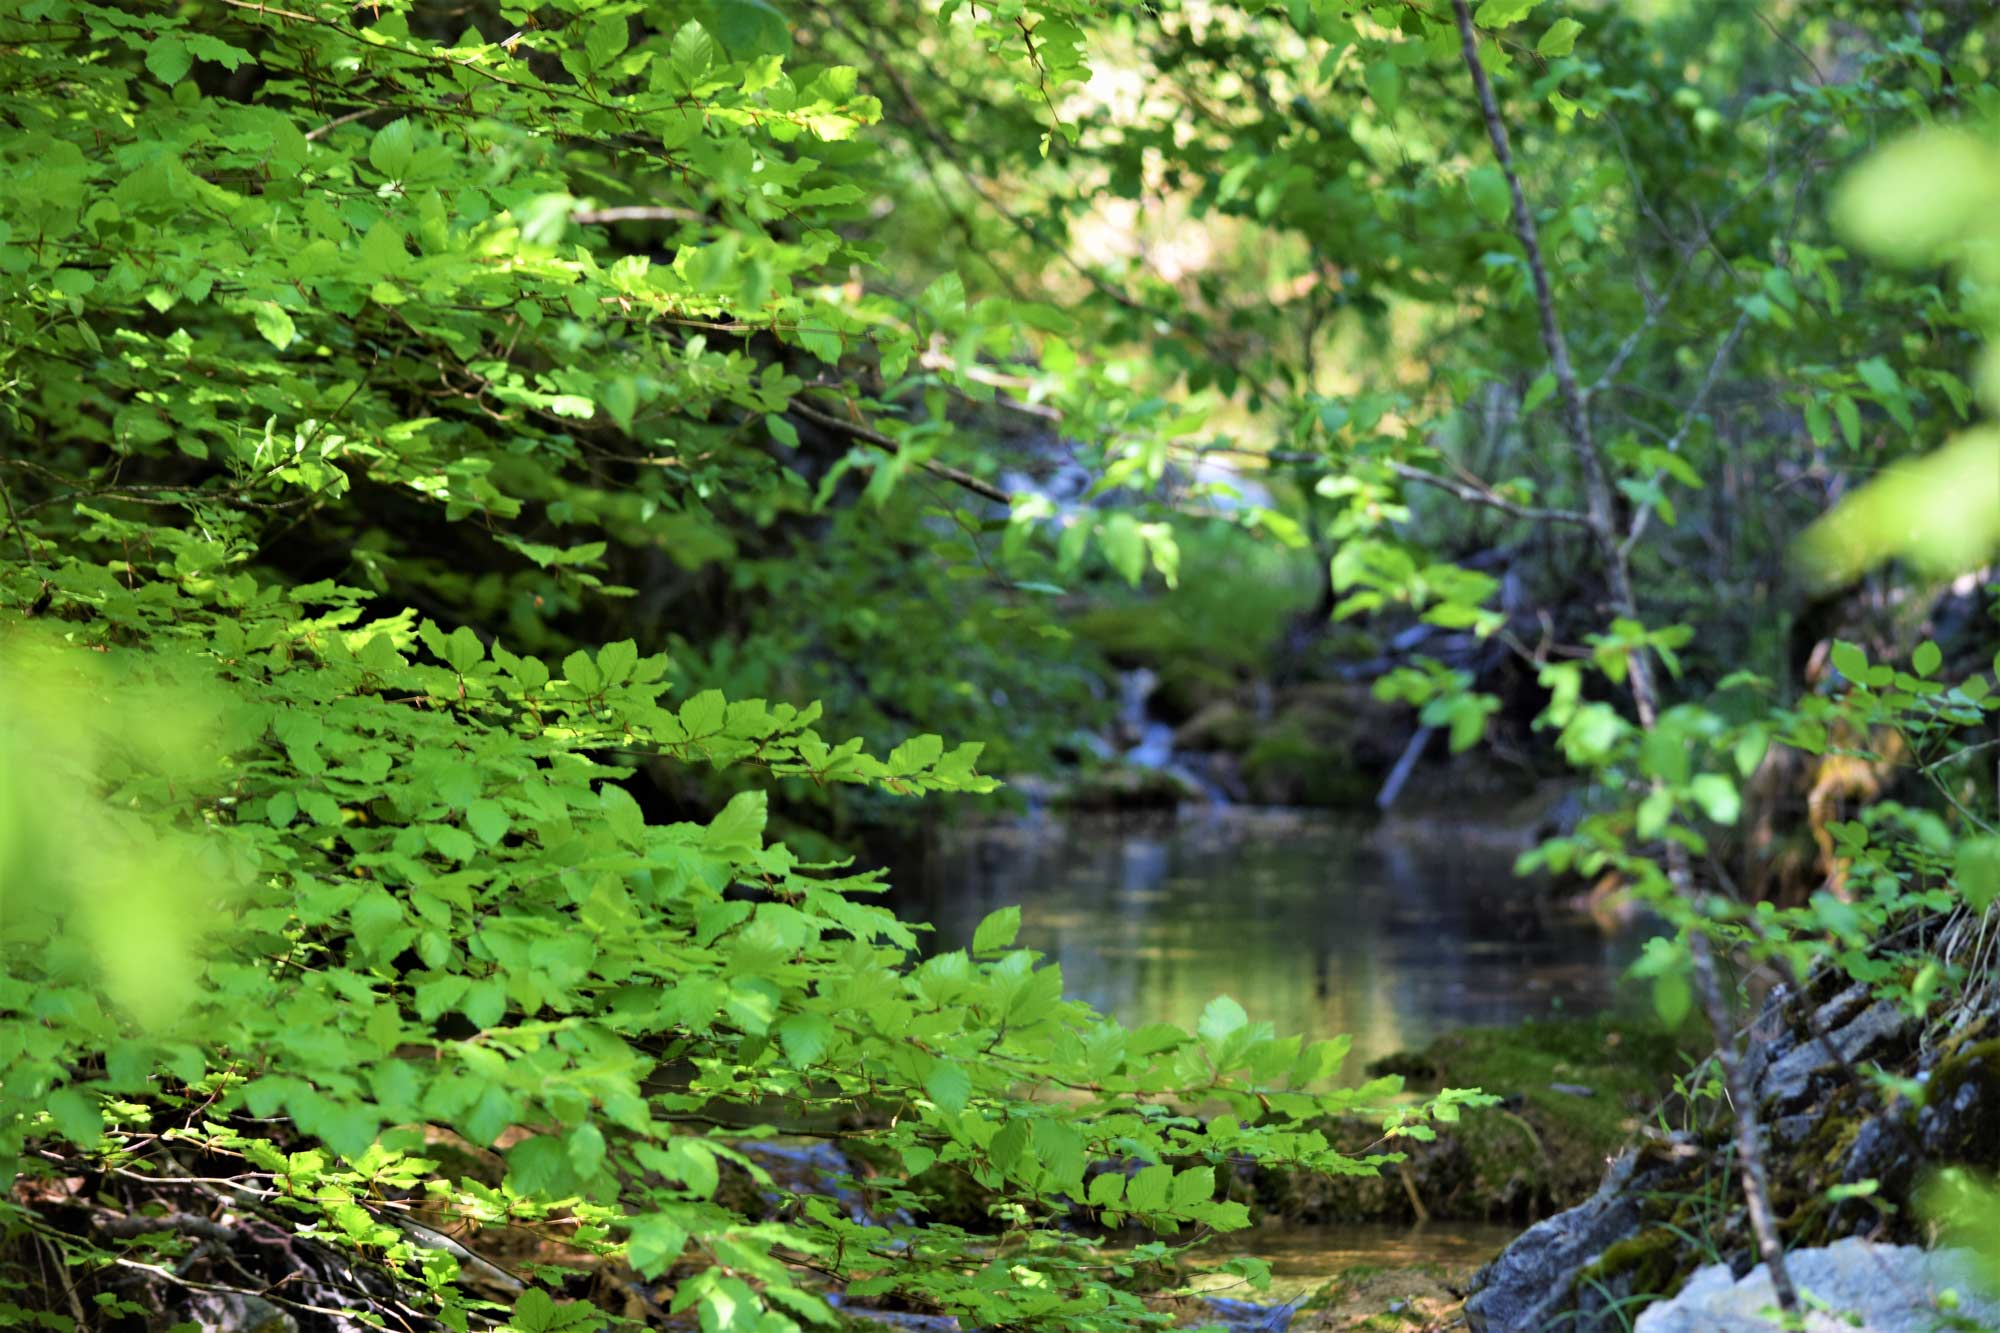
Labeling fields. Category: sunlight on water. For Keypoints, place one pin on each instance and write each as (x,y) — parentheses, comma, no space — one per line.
(1323,926)
(1303,1258)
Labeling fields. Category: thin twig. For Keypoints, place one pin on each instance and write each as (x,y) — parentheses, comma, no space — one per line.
(1674,442)
(1645,701)
(1488,498)
(338,121)
(854,430)
(14,522)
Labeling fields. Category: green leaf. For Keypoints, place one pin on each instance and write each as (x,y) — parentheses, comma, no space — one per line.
(693,53)
(703,715)
(804,1037)
(167,59)
(1849,417)
(534,1312)
(1490,195)
(1124,546)
(948,1085)
(1927,659)
(919,752)
(1538,392)
(1653,814)
(1146,1192)
(451,842)
(997,931)
(606,40)
(1749,752)
(392,149)
(376,915)
(1915,198)
(656,1241)
(485,1002)
(1500,13)
(1196,1185)
(1221,1018)
(1716,794)
(1672,998)
(487,820)
(76,1116)
(739,826)
(1560,39)
(1978,872)
(274,324)
(1880,377)
(586,1150)
(1385,85)
(1850,661)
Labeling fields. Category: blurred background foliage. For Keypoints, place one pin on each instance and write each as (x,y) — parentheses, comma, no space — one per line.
(457,453)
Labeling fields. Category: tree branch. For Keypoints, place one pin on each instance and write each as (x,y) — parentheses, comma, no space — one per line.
(1673,444)
(856,431)
(1603,527)
(1488,498)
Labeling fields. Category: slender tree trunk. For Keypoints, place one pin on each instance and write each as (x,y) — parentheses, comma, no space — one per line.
(1603,525)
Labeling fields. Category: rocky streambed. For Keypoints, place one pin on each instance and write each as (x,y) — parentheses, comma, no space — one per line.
(1665,1233)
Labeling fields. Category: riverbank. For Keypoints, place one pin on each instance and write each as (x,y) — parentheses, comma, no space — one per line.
(1869,1104)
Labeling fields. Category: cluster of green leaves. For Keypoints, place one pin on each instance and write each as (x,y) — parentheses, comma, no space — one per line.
(358,375)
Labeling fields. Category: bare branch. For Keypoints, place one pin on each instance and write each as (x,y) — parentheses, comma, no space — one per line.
(1695,404)
(854,430)
(1488,498)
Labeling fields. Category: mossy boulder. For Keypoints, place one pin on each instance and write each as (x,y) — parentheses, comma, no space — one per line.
(1368,1300)
(1650,1264)
(1289,767)
(1960,1122)
(1113,787)
(1325,745)
(1582,1087)
(1544,1148)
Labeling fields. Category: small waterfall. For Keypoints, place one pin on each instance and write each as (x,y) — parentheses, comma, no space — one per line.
(1146,742)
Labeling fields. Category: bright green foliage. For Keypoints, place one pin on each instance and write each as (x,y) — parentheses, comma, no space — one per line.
(349,365)
(378,380)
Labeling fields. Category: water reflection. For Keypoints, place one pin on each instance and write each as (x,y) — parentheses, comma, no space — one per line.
(1390,933)
(1303,1258)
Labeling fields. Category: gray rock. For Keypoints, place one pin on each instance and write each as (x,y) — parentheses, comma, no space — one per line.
(1840,1009)
(1788,1080)
(239,1312)
(1769,1036)
(1789,1131)
(1890,1288)
(1527,1286)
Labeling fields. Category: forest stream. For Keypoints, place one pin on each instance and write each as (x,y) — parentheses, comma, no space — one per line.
(1395,933)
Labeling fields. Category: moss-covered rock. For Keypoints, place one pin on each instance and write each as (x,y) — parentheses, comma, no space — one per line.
(1288,766)
(1648,1264)
(1540,1151)
(1844,1154)
(1373,1300)
(1118,787)
(1960,1122)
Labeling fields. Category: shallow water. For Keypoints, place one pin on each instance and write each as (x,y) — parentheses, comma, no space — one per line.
(1393,933)
(1303,1259)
